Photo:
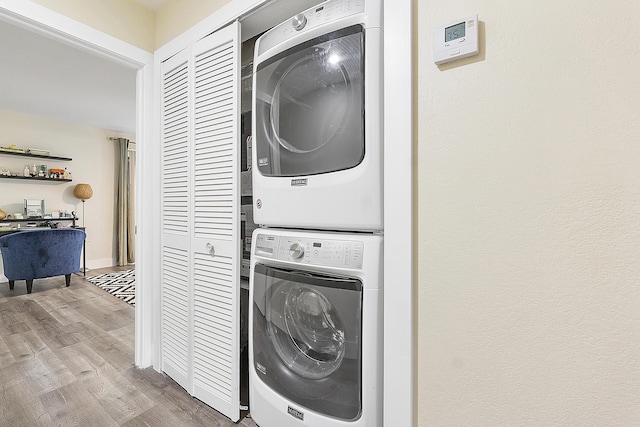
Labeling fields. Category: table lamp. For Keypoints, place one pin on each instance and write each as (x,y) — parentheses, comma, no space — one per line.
(83,192)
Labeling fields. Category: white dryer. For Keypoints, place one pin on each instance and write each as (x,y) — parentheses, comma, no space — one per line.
(315,337)
(317,119)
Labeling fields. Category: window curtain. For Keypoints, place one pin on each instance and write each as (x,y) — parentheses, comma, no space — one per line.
(125,202)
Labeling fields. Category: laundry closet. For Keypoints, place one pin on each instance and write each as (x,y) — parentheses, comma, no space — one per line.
(272,214)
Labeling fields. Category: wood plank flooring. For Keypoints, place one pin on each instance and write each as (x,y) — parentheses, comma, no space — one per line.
(67,360)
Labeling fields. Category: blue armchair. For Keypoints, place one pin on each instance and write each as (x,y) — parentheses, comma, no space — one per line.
(35,254)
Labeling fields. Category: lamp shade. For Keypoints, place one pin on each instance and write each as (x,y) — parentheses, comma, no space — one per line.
(83,192)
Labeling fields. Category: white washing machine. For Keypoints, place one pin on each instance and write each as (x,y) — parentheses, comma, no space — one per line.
(317,119)
(315,337)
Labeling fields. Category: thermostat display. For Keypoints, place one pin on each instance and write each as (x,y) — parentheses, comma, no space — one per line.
(454,32)
(456,40)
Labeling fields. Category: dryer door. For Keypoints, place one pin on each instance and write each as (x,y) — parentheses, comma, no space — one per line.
(309,106)
(307,338)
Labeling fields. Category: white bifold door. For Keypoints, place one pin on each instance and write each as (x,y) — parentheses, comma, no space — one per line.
(200,220)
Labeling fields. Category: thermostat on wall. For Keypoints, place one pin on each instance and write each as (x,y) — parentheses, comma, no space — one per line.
(457,40)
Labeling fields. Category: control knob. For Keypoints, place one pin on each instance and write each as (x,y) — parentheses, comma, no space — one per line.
(296,251)
(299,21)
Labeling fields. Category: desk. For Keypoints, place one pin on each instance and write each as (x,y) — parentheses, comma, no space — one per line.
(29,223)
(40,223)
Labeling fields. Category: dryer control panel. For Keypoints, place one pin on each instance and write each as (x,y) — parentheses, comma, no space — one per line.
(311,18)
(311,251)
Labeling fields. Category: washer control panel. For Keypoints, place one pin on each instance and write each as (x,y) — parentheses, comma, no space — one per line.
(312,251)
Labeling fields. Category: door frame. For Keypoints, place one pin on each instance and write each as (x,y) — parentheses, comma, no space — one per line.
(53,25)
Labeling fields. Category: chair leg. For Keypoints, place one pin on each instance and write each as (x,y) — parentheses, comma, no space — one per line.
(11,283)
(29,285)
(67,279)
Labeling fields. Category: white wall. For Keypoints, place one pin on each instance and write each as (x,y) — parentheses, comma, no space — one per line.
(529,216)
(94,162)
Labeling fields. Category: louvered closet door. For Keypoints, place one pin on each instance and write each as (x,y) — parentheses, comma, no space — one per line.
(176,220)
(216,236)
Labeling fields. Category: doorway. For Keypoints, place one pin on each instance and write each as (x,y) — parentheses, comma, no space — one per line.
(49,24)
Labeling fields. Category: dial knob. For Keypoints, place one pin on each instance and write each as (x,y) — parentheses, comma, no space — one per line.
(299,21)
(296,251)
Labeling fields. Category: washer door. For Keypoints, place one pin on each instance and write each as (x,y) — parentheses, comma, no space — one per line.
(309,103)
(312,340)
(307,338)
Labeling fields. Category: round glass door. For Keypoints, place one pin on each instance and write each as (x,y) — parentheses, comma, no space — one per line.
(316,91)
(309,106)
(308,333)
(306,345)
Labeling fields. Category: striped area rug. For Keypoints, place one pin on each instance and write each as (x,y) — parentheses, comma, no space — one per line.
(121,284)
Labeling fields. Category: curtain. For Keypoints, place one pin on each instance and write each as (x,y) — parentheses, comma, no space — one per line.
(131,213)
(125,203)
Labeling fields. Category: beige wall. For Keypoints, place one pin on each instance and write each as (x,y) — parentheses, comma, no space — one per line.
(93,162)
(177,16)
(123,19)
(134,23)
(529,217)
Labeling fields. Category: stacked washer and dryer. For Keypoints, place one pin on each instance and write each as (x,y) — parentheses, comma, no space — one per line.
(315,337)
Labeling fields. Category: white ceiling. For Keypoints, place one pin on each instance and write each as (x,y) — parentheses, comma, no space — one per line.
(43,77)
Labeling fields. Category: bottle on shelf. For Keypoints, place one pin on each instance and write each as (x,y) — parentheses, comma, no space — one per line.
(26,171)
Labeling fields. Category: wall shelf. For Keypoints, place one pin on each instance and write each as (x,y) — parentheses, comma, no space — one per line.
(35,178)
(40,219)
(35,156)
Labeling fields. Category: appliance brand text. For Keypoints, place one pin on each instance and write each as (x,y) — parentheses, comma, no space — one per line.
(294,412)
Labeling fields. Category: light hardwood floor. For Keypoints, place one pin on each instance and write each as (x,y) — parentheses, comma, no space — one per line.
(67,360)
